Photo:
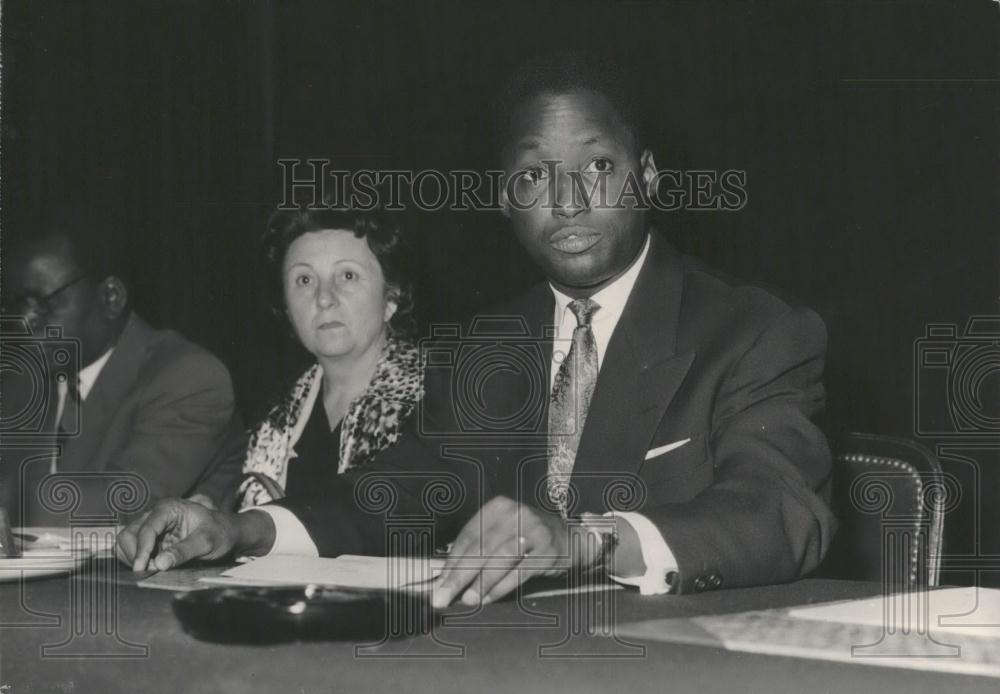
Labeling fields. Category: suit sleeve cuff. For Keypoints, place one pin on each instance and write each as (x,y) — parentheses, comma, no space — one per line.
(656,555)
(290,536)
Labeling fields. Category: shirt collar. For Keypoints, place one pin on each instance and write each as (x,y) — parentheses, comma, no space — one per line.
(612,298)
(88,374)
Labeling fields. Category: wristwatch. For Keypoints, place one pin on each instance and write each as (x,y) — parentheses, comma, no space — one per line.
(603,533)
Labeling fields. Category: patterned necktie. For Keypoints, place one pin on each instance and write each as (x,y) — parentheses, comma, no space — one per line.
(571,393)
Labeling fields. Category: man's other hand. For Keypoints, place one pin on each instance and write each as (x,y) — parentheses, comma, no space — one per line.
(179,531)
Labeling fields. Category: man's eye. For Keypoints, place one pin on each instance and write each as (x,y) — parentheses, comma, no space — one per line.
(533,175)
(350,275)
(600,165)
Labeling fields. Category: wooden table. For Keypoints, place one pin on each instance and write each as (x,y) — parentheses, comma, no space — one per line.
(137,645)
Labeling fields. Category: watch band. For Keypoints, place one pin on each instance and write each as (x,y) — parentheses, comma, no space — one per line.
(604,530)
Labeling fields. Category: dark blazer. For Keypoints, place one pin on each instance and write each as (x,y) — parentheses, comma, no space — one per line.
(161,408)
(694,356)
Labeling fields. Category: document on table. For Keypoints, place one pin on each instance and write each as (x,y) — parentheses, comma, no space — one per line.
(182,580)
(346,571)
(949,630)
(97,539)
(970,611)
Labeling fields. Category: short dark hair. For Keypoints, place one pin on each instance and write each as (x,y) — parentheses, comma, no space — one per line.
(383,236)
(565,71)
(90,243)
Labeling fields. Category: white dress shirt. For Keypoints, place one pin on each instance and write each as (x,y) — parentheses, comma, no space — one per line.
(291,536)
(656,555)
(84,384)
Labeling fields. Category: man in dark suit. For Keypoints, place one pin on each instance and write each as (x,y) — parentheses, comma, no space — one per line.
(702,388)
(138,406)
(674,441)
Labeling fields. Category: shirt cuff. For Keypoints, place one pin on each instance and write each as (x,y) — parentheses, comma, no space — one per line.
(290,536)
(656,555)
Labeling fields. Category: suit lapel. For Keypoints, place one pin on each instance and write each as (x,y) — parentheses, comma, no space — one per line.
(639,376)
(115,381)
(539,318)
(538,312)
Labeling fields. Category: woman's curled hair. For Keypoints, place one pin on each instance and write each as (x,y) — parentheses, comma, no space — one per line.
(382,235)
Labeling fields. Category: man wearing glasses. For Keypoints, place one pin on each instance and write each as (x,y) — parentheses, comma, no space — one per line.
(119,397)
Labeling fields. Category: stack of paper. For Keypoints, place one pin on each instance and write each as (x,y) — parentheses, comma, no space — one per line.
(90,538)
(969,611)
(951,630)
(347,571)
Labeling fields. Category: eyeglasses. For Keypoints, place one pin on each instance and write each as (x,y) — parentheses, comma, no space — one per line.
(40,304)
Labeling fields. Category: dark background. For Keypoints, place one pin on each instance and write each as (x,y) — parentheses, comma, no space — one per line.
(868,132)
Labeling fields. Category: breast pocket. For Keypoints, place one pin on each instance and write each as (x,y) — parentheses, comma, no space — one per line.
(677,474)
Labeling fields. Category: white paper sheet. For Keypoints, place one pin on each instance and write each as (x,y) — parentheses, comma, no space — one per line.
(949,630)
(971,611)
(347,571)
(94,538)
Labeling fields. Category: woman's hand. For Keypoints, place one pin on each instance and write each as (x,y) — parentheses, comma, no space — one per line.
(179,531)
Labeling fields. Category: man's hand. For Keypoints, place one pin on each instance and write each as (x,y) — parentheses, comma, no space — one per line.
(204,500)
(179,531)
(504,544)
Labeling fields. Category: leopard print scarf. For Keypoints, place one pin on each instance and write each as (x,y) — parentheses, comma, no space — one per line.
(374,421)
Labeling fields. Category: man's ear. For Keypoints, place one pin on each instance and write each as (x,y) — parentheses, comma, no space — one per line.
(648,166)
(113,295)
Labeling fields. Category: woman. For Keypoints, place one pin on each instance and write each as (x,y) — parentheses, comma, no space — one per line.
(338,279)
(341,285)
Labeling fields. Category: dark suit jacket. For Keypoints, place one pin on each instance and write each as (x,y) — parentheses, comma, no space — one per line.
(695,356)
(161,410)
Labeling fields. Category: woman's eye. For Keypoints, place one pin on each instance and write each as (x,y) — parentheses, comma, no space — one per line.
(600,165)
(303,281)
(350,275)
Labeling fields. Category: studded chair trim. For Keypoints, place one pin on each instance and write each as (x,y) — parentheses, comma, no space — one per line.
(919,518)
